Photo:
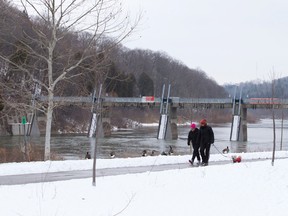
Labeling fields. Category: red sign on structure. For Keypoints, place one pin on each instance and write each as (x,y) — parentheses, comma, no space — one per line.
(148,98)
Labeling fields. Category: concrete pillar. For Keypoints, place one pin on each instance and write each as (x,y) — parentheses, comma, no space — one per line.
(164,131)
(106,121)
(170,126)
(34,128)
(243,137)
(168,134)
(173,123)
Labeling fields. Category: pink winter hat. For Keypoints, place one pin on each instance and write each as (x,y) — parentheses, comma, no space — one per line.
(193,125)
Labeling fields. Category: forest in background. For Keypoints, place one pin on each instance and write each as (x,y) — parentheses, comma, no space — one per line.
(274,88)
(260,89)
(123,72)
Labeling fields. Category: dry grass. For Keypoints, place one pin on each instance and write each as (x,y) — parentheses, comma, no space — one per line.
(17,154)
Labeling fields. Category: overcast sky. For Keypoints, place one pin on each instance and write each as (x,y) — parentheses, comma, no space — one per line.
(231,40)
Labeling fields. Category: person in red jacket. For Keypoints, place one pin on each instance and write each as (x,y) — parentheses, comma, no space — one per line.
(205,139)
(193,140)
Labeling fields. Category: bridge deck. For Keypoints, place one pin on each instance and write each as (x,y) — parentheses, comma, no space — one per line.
(176,101)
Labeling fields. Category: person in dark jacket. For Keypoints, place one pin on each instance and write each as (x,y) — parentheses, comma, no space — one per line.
(205,139)
(193,140)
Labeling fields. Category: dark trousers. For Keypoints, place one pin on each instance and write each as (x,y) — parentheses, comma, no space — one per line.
(195,154)
(205,152)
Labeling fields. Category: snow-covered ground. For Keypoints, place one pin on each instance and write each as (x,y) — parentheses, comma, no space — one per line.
(68,165)
(246,188)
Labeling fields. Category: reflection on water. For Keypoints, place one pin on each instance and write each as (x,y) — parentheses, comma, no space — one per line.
(131,143)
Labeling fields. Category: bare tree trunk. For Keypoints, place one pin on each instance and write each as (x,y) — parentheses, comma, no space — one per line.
(95,151)
(282,125)
(274,136)
(49,44)
(49,114)
(273,118)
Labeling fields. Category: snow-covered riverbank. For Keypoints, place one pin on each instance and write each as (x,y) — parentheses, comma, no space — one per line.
(246,188)
(68,165)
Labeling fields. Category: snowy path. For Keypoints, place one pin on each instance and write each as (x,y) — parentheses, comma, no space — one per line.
(252,187)
(79,174)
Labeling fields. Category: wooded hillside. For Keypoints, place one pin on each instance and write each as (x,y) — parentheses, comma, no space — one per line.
(123,72)
(261,89)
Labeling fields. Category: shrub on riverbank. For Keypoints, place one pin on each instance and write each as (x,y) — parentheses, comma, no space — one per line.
(17,154)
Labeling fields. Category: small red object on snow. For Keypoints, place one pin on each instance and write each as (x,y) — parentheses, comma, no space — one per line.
(236,159)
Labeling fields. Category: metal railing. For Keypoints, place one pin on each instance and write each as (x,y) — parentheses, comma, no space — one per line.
(173,100)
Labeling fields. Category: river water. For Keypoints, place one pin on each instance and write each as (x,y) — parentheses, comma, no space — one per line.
(131,142)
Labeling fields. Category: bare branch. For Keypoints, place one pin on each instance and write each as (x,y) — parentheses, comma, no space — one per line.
(52,47)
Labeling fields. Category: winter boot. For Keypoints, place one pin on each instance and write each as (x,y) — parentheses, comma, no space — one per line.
(204,164)
(191,162)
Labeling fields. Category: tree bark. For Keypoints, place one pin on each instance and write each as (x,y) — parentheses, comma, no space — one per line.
(50,46)
(49,115)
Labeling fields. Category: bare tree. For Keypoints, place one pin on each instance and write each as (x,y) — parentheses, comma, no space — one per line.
(273,119)
(64,39)
(273,80)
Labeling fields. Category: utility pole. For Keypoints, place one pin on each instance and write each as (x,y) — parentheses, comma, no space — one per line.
(98,106)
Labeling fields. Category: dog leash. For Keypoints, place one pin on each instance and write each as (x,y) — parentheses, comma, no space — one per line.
(219,151)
